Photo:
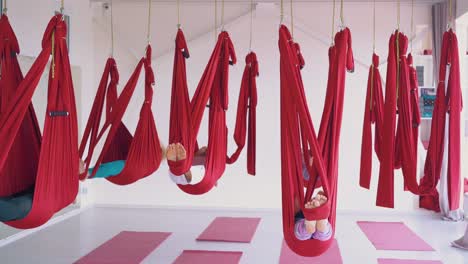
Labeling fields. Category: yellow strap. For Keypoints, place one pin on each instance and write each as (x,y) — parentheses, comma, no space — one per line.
(148,36)
(222,15)
(412,24)
(372,86)
(333,25)
(398,15)
(251,23)
(374,26)
(342,14)
(282,12)
(398,64)
(5,9)
(216,19)
(292,20)
(178,13)
(112,28)
(53,54)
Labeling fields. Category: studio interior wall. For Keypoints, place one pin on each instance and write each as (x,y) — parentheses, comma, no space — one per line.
(312,31)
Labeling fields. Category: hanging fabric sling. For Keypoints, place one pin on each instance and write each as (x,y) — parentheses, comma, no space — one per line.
(186,115)
(373,114)
(19,170)
(142,152)
(297,132)
(56,183)
(448,100)
(247,105)
(400,150)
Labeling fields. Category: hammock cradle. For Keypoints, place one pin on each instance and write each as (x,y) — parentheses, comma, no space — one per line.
(142,152)
(186,115)
(448,101)
(298,136)
(52,165)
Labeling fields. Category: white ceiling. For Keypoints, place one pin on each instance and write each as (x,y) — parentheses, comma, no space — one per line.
(130,20)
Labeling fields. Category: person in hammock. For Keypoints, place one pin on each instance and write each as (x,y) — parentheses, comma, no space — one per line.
(305,229)
(176,152)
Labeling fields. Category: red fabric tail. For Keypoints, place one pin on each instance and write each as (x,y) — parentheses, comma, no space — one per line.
(247,102)
(373,114)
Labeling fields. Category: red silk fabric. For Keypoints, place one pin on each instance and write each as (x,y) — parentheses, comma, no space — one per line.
(373,114)
(56,183)
(447,101)
(297,132)
(399,148)
(186,115)
(141,152)
(247,105)
(19,170)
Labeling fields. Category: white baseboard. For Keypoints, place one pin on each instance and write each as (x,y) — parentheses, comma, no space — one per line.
(53,221)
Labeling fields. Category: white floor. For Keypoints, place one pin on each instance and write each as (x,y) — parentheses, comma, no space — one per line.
(67,241)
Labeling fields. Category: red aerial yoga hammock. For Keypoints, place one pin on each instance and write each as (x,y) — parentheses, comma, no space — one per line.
(142,152)
(399,150)
(298,136)
(56,178)
(247,103)
(19,170)
(186,115)
(448,100)
(373,114)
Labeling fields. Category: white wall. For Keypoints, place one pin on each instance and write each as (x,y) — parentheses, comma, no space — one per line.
(313,24)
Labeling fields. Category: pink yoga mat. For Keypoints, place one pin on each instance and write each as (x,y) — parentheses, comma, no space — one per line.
(125,248)
(230,229)
(408,261)
(331,256)
(393,236)
(208,257)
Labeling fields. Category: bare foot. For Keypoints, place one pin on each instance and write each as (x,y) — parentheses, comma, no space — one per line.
(171,153)
(322,225)
(181,153)
(310,225)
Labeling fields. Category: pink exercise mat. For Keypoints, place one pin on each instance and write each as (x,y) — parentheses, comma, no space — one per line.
(208,257)
(408,261)
(331,256)
(230,229)
(393,236)
(125,248)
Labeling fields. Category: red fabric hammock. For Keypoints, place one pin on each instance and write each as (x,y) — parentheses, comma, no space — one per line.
(400,150)
(373,114)
(19,170)
(141,152)
(297,131)
(186,115)
(56,183)
(247,103)
(448,100)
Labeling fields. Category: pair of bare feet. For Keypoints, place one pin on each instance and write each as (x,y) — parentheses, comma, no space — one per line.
(177,152)
(319,225)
